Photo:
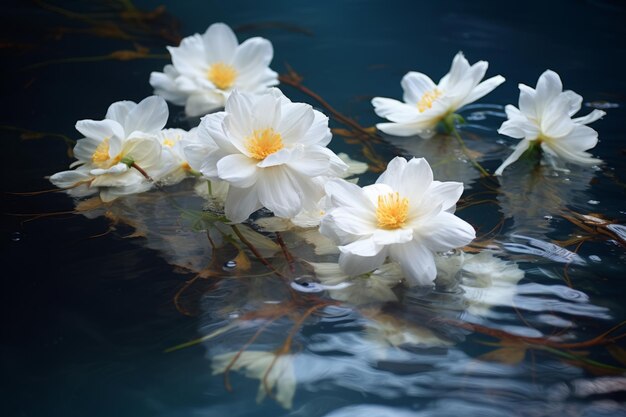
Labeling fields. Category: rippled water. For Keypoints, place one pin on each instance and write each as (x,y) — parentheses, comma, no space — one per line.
(95,300)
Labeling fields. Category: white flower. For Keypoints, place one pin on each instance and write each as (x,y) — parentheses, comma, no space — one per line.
(405,215)
(207,68)
(426,103)
(176,166)
(269,150)
(256,364)
(545,118)
(126,135)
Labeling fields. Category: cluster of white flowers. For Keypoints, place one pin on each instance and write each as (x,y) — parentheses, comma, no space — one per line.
(544,117)
(263,150)
(130,135)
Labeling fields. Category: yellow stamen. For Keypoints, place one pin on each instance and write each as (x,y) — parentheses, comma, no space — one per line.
(264,142)
(168,142)
(222,75)
(101,154)
(392,211)
(427,100)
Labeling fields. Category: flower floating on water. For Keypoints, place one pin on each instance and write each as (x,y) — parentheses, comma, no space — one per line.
(173,142)
(269,150)
(405,215)
(207,68)
(273,370)
(127,136)
(426,103)
(544,119)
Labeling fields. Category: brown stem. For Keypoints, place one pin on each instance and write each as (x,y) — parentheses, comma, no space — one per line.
(244,347)
(293,80)
(254,250)
(142,172)
(288,256)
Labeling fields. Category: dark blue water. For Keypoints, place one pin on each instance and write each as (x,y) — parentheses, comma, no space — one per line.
(88,309)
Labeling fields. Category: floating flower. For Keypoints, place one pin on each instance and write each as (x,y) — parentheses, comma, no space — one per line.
(405,215)
(173,142)
(275,371)
(269,150)
(207,68)
(544,119)
(426,103)
(127,136)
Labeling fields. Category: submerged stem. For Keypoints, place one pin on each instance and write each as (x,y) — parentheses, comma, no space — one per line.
(255,251)
(450,124)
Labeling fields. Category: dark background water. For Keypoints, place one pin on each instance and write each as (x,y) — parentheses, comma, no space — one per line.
(86,319)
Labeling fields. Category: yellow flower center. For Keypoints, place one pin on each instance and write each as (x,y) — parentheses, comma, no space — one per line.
(427,100)
(392,211)
(222,75)
(264,142)
(168,142)
(101,154)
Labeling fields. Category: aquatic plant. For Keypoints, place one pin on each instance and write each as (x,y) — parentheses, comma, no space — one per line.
(207,68)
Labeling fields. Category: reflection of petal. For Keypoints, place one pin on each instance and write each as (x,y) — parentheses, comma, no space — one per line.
(389,331)
(487,281)
(528,195)
(274,372)
(532,246)
(449,163)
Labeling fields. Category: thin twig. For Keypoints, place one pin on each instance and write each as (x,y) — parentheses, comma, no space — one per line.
(255,251)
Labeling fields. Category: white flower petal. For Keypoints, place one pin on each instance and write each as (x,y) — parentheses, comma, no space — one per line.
(189,58)
(590,118)
(519,150)
(389,237)
(253,56)
(482,89)
(238,170)
(570,155)
(85,148)
(356,265)
(446,231)
(352,223)
(296,120)
(414,84)
(580,138)
(119,111)
(100,129)
(555,121)
(278,193)
(220,43)
(575,101)
(549,87)
(241,203)
(394,110)
(416,261)
(411,179)
(318,133)
(266,112)
(445,194)
(405,129)
(203,102)
(238,122)
(149,116)
(345,194)
(69,179)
